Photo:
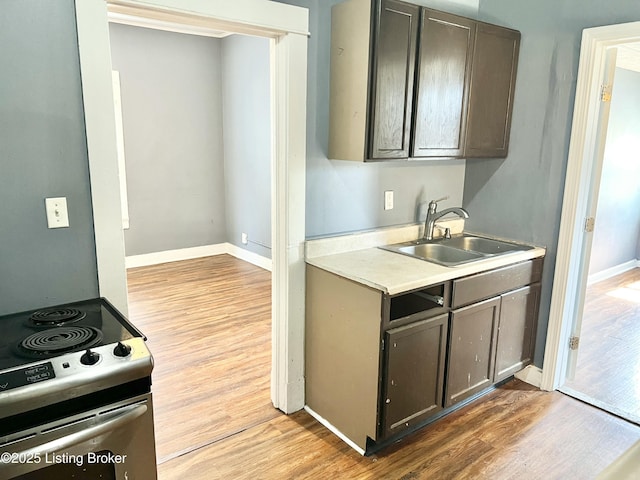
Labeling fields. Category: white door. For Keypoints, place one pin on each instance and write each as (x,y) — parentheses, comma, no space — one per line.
(597,62)
(604,107)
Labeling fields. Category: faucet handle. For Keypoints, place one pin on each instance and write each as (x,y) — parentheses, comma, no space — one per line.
(440,199)
(433,204)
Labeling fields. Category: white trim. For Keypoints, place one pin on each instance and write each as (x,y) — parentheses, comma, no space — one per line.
(251,257)
(531,375)
(288,213)
(100,126)
(570,260)
(613,271)
(333,429)
(165,25)
(122,165)
(289,26)
(166,256)
(251,17)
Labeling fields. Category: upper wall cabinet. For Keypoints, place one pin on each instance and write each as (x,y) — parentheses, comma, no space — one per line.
(444,76)
(410,82)
(493,80)
(392,79)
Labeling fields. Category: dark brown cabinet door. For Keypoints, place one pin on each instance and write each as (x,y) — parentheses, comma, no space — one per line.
(472,350)
(413,383)
(444,72)
(518,319)
(392,79)
(493,77)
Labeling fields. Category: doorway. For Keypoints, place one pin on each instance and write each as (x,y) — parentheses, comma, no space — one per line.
(287,27)
(197,124)
(190,102)
(580,199)
(609,347)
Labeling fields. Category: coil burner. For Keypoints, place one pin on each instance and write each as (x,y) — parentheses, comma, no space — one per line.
(55,341)
(55,317)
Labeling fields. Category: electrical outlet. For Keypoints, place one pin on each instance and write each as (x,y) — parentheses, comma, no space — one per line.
(57,215)
(388,200)
(245,238)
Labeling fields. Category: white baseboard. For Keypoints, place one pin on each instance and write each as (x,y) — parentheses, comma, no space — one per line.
(156,258)
(531,375)
(613,271)
(247,256)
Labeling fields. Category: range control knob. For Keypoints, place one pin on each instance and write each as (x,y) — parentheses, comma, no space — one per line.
(89,358)
(122,350)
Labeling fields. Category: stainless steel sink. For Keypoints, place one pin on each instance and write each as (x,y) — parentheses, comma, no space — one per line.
(441,254)
(483,245)
(456,250)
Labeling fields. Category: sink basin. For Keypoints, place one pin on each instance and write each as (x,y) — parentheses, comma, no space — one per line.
(456,250)
(438,253)
(483,245)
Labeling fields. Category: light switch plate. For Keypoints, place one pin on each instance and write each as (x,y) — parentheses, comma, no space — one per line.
(388,200)
(57,215)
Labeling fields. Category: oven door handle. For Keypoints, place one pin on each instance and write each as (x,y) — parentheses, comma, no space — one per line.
(113,423)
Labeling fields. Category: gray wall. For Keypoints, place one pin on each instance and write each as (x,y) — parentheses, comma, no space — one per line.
(43,153)
(521,196)
(518,197)
(247,141)
(617,231)
(348,196)
(172,117)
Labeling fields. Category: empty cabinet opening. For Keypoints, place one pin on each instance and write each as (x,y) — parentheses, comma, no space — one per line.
(427,301)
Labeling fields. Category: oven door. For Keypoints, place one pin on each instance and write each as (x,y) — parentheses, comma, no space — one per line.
(115,442)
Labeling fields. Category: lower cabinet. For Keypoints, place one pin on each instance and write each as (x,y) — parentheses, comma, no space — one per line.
(490,341)
(516,331)
(414,378)
(471,356)
(379,365)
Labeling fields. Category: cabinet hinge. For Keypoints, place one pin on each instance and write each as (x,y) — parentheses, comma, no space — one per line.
(605,93)
(589,224)
(382,344)
(574,342)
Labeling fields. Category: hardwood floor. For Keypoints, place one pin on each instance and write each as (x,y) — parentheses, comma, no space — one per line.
(517,432)
(208,323)
(608,368)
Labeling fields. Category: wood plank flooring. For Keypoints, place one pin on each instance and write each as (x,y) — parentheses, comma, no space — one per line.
(608,368)
(518,432)
(218,423)
(208,323)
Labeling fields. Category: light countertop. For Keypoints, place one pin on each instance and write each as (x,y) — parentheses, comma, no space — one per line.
(394,273)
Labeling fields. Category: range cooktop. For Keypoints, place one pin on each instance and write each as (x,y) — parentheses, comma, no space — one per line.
(37,335)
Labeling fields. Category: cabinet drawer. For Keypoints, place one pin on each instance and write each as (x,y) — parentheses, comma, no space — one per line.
(488,284)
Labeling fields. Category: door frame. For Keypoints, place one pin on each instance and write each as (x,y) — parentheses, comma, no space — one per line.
(287,26)
(581,185)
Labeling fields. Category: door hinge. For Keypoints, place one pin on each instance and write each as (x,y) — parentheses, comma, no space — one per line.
(589,224)
(574,342)
(382,344)
(605,93)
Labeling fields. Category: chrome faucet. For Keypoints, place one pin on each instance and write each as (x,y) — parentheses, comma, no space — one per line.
(433,216)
